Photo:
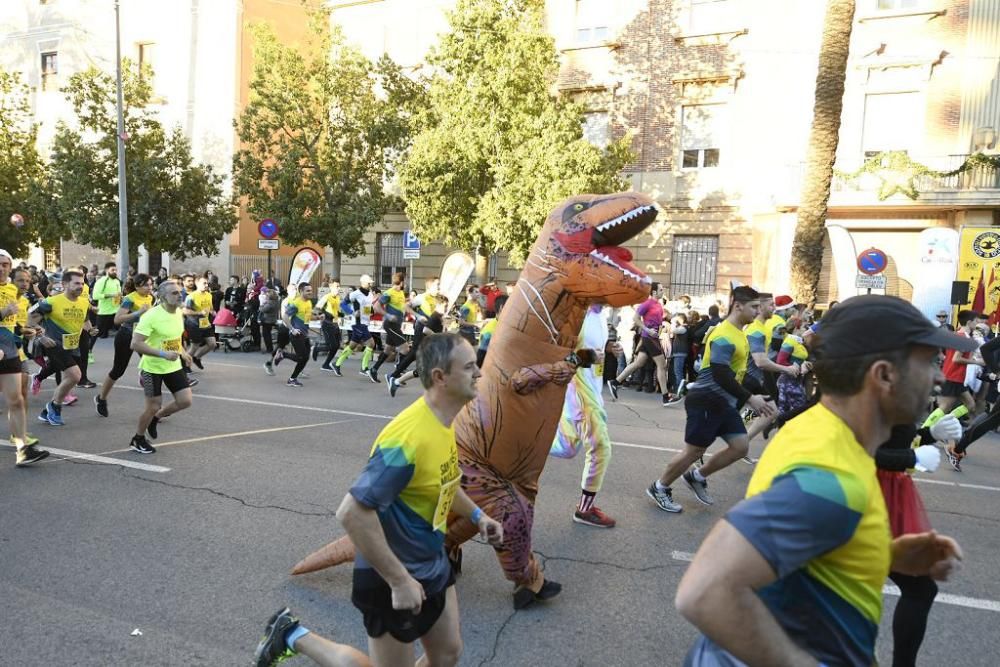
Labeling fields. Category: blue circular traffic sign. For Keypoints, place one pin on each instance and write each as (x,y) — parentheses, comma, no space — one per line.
(872,262)
(267,228)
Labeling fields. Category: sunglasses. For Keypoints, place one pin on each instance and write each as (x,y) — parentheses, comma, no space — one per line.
(942,317)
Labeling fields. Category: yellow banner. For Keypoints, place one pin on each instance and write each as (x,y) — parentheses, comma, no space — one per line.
(979,264)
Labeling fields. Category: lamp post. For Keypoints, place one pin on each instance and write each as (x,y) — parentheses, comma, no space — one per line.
(123,263)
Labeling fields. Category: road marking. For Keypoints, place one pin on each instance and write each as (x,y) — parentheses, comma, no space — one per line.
(890,589)
(637,446)
(290,406)
(236,435)
(97,458)
(981,487)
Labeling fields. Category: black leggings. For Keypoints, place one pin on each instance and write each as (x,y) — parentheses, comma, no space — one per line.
(909,621)
(123,353)
(86,343)
(266,330)
(411,355)
(300,344)
(979,427)
(331,336)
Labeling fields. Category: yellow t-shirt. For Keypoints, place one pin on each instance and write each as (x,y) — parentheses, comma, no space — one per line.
(64,319)
(201,302)
(163,331)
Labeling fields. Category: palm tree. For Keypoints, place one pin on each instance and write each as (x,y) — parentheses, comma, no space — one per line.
(807,248)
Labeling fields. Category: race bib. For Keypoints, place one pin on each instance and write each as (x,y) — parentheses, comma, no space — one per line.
(71,341)
(204,323)
(407,328)
(116,299)
(173,345)
(599,370)
(447,494)
(349,321)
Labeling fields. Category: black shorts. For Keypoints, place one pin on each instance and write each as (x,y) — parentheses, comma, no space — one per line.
(10,365)
(197,335)
(708,418)
(393,333)
(152,383)
(375,605)
(60,359)
(954,389)
(651,347)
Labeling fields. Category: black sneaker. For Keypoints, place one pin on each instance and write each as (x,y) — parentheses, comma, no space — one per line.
(102,406)
(954,458)
(140,445)
(613,388)
(192,381)
(151,429)
(324,367)
(337,371)
(197,362)
(292,382)
(272,648)
(30,454)
(673,400)
(393,386)
(700,488)
(373,375)
(86,384)
(268,367)
(315,352)
(524,596)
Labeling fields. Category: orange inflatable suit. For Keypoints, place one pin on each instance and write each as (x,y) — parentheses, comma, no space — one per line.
(504,435)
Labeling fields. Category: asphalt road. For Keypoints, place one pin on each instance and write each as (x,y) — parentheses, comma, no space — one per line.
(195,553)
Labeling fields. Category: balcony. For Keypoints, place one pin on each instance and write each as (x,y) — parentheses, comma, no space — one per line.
(976,186)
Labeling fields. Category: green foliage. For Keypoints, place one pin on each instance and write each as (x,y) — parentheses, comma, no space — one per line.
(174,204)
(497,150)
(21,167)
(899,172)
(320,136)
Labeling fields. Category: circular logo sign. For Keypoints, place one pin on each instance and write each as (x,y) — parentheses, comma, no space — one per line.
(987,245)
(267,228)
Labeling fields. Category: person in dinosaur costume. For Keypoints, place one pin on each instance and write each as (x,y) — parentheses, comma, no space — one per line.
(504,435)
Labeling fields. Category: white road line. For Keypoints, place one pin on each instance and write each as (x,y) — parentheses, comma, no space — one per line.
(942,482)
(682,555)
(637,446)
(97,458)
(220,436)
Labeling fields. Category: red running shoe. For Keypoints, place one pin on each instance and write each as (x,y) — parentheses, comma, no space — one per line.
(595,517)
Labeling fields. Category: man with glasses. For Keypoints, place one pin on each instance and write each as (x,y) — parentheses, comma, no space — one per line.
(942,320)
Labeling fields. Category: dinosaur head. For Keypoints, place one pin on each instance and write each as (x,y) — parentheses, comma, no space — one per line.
(582,241)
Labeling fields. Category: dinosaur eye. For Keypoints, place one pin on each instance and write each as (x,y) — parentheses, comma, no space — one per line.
(578,207)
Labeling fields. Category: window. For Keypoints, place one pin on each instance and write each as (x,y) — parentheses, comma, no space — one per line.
(389,254)
(491,267)
(592,21)
(693,265)
(701,131)
(893,122)
(597,128)
(897,4)
(146,57)
(50,70)
(708,16)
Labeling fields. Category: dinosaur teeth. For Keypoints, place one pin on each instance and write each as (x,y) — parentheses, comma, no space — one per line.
(627,217)
(607,260)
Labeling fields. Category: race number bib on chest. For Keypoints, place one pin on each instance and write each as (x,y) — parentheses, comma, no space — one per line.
(172,345)
(445,497)
(204,323)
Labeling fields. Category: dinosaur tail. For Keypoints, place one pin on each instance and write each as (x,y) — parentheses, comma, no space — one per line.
(335,553)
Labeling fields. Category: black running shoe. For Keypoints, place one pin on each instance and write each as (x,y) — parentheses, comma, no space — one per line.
(373,375)
(337,371)
(140,445)
(86,384)
(192,381)
(524,597)
(151,429)
(30,454)
(102,406)
(613,388)
(315,352)
(272,648)
(197,362)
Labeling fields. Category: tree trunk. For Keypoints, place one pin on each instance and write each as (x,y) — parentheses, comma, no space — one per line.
(807,247)
(482,266)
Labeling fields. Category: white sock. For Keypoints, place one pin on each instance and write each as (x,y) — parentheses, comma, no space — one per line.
(698,477)
(660,486)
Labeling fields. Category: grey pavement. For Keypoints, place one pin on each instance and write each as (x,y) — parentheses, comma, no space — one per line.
(197,557)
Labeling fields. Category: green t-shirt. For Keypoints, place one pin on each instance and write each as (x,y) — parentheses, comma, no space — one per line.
(108,294)
(163,331)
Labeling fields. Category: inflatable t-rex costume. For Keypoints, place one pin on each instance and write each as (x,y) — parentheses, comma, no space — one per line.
(505,434)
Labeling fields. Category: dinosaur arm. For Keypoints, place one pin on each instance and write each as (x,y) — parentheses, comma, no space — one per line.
(529,379)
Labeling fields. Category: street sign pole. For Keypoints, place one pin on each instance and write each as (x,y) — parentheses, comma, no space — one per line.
(270,272)
(409,275)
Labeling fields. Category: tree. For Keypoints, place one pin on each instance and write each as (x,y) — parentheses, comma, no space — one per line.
(21,167)
(496,149)
(810,229)
(319,136)
(175,205)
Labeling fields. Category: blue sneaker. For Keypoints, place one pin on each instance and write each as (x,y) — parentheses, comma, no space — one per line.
(54,414)
(43,416)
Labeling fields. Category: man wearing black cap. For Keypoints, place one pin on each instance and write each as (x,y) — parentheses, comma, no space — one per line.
(794,573)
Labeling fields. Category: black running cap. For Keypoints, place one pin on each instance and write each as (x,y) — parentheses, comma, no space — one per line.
(873,323)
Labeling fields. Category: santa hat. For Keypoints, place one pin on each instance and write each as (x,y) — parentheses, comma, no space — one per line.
(783,301)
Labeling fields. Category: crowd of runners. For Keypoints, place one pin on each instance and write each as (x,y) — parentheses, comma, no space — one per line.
(846,402)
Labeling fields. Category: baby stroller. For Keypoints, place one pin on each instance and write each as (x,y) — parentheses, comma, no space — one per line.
(226,330)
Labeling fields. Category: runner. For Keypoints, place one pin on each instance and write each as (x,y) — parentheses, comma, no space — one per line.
(198,321)
(330,310)
(489,327)
(361,304)
(65,316)
(983,424)
(469,315)
(584,421)
(433,323)
(22,280)
(396,514)
(422,308)
(158,338)
(295,319)
(86,340)
(712,406)
(108,295)
(10,364)
(793,575)
(138,299)
(392,305)
(649,319)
